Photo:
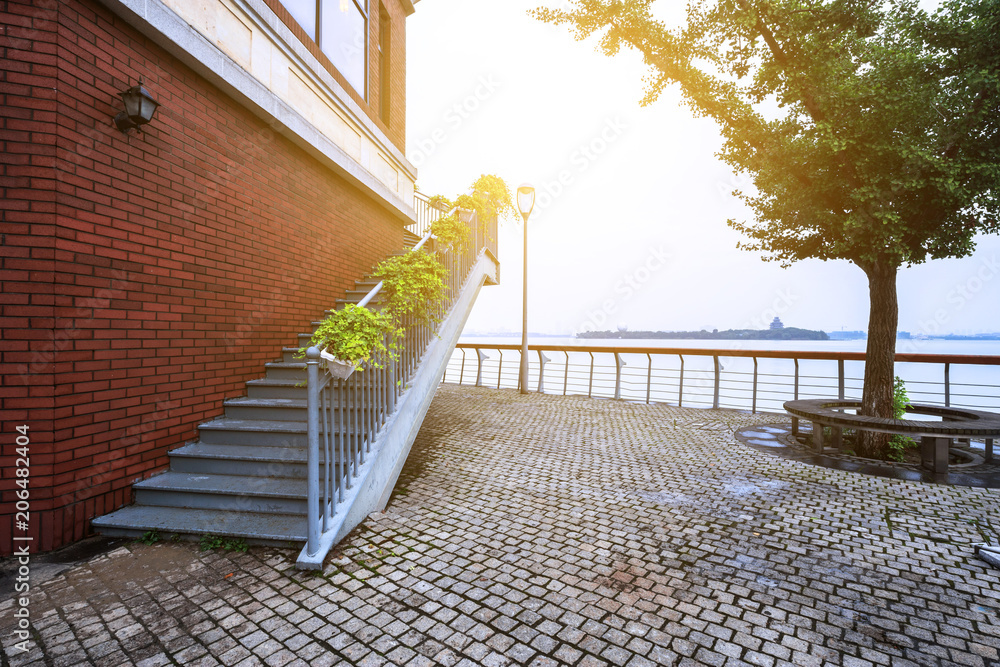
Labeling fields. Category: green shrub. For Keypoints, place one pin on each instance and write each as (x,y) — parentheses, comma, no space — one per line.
(355,334)
(898,444)
(412,284)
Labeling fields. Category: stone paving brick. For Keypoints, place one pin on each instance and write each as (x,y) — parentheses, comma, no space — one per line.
(546,530)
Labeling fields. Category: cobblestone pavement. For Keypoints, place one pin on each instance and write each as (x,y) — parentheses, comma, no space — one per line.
(546,530)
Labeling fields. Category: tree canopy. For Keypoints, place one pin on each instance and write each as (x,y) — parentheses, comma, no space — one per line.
(871,130)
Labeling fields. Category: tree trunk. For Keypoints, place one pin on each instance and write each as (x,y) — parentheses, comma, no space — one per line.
(876,401)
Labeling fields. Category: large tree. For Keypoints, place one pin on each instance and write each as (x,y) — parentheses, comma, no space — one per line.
(870,128)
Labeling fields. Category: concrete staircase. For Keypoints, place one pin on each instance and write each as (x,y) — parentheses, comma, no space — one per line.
(245,477)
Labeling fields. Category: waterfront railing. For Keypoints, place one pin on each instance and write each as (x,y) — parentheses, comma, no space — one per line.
(753,380)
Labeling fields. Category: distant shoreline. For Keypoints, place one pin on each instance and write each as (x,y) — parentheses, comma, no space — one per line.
(785,333)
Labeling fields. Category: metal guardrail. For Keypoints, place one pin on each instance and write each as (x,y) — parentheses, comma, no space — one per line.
(426,214)
(345,417)
(752,380)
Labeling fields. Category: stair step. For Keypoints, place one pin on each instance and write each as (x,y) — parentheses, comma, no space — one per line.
(269,410)
(272,495)
(266,409)
(247,460)
(282,370)
(270,388)
(258,527)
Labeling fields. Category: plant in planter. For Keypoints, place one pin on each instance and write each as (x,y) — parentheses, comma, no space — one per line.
(353,336)
(450,232)
(412,284)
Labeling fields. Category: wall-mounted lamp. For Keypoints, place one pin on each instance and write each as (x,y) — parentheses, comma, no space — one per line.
(139,109)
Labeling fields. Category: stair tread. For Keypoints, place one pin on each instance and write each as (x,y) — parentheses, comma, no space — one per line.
(265,425)
(243,452)
(266,402)
(271,487)
(251,525)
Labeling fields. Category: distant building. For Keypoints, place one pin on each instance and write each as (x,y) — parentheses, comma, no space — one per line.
(777,324)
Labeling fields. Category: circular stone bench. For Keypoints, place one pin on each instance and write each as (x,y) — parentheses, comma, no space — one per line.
(935,437)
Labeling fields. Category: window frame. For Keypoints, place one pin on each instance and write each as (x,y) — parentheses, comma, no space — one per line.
(362,7)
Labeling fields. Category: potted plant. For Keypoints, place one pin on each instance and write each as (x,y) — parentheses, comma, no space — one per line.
(354,336)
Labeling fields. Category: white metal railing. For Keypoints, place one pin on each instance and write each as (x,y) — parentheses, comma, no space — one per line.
(345,417)
(740,379)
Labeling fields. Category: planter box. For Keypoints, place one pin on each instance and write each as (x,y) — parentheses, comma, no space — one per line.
(337,368)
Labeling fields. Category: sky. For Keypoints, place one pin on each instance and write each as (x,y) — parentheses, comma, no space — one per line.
(629,227)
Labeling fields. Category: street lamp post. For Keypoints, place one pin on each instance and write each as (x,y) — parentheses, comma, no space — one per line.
(525,202)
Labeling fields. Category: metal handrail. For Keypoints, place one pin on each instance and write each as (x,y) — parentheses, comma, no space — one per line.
(345,417)
(724,384)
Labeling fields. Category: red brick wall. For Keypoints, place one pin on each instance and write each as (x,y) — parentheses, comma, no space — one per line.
(145,277)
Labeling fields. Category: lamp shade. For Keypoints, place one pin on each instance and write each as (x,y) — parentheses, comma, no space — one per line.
(525,199)
(139,104)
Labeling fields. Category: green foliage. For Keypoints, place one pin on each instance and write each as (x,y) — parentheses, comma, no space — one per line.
(898,444)
(412,284)
(211,542)
(884,145)
(355,334)
(451,232)
(870,129)
(149,537)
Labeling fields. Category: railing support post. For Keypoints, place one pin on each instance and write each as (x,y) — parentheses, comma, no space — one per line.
(312,464)
(795,420)
(840,379)
(566,373)
(715,396)
(590,382)
(649,376)
(479,369)
(947,385)
(754,407)
(461,373)
(618,375)
(542,359)
(680,385)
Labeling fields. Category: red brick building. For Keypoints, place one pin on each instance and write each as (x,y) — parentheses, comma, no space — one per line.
(147,276)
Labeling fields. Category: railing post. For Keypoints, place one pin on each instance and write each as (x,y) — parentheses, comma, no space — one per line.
(312,463)
(947,385)
(680,384)
(754,407)
(541,371)
(590,382)
(795,421)
(566,372)
(479,368)
(715,396)
(649,376)
(461,373)
(840,379)
(796,390)
(500,369)
(618,375)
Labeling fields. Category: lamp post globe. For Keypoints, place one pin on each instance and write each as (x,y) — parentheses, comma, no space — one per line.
(525,204)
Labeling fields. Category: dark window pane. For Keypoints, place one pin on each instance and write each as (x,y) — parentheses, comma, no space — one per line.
(343,40)
(304,12)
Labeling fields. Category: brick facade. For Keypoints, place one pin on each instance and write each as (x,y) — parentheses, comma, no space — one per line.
(145,277)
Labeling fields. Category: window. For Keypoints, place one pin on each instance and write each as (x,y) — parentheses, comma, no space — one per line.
(340,28)
(384,59)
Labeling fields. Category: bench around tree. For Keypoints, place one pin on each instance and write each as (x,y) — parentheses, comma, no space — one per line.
(935,436)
